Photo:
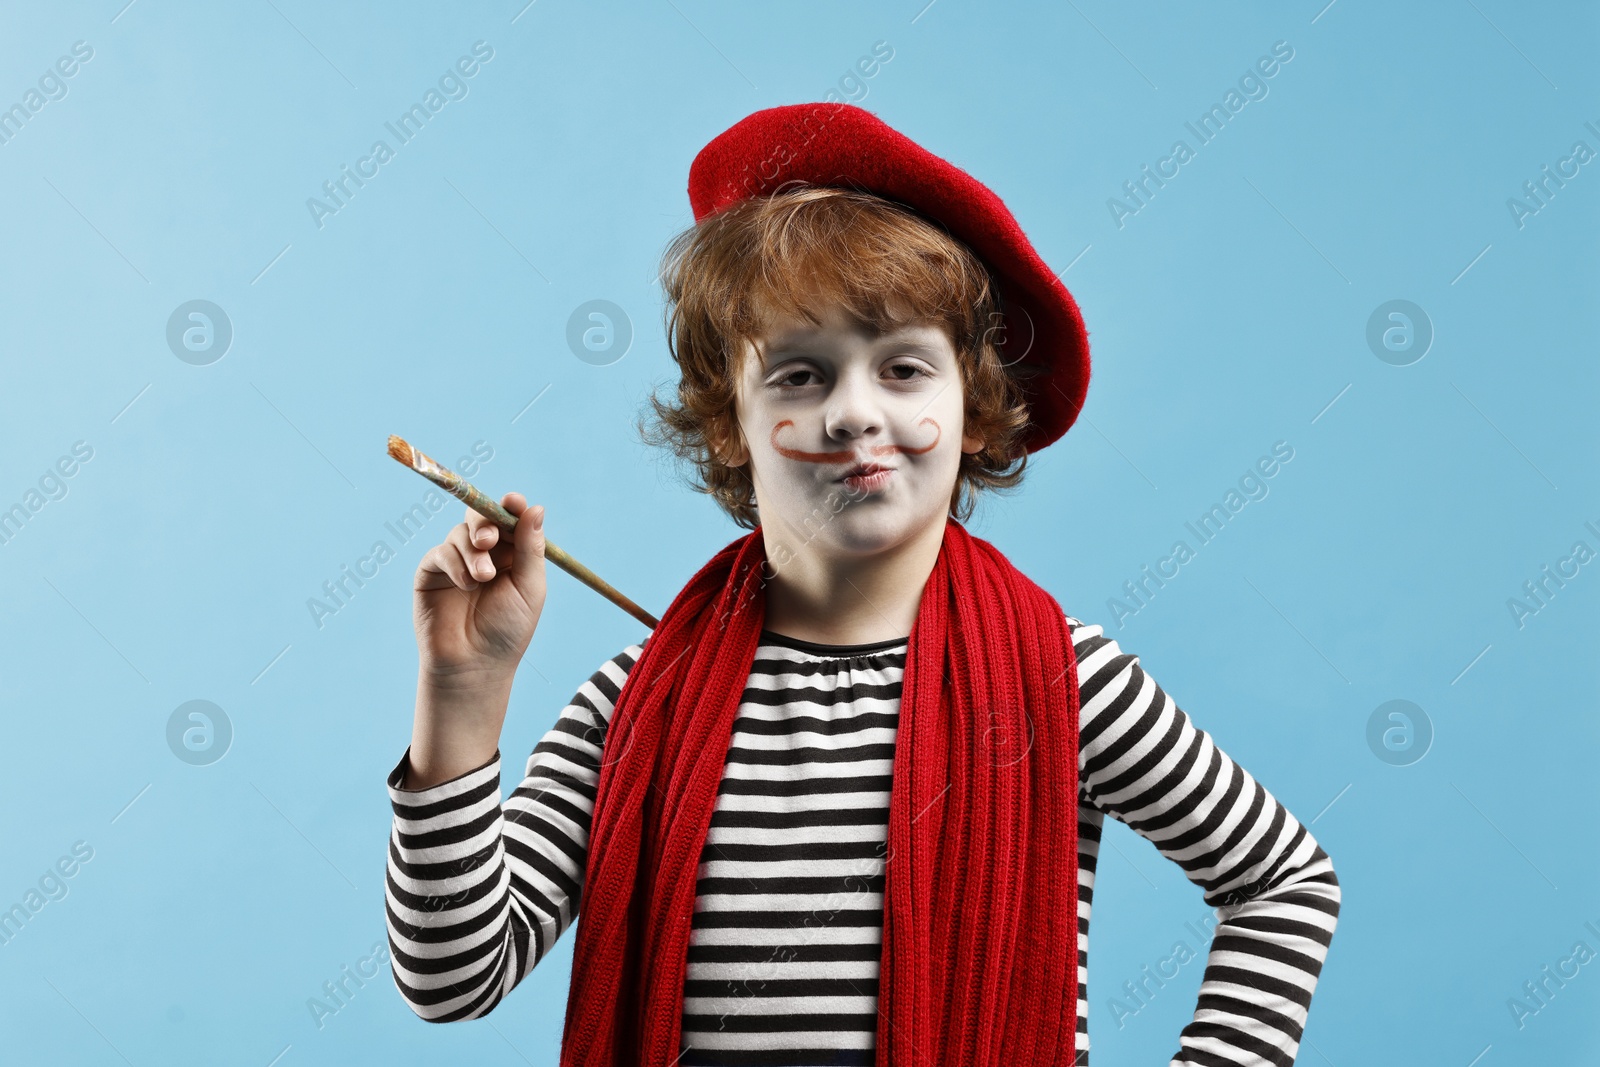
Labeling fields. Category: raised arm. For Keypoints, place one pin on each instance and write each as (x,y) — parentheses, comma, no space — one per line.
(477,891)
(1142,761)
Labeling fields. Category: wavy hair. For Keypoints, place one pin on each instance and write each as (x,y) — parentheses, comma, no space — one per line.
(795,252)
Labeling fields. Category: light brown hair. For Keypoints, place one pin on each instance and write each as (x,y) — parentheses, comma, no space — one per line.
(794,252)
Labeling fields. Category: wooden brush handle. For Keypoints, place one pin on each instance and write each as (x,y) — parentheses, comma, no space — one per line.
(478,501)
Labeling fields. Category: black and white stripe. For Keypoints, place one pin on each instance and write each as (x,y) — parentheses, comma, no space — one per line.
(784,946)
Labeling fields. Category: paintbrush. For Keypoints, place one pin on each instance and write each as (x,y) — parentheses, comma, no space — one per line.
(474,498)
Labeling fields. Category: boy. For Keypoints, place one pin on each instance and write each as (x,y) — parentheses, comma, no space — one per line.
(843,804)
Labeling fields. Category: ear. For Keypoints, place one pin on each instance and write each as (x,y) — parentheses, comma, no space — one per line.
(971,444)
(727,444)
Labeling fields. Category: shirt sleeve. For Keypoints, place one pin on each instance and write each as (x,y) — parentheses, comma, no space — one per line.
(1273,888)
(477,891)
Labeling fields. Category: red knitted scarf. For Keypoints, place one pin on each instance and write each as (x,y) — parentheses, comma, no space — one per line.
(979,962)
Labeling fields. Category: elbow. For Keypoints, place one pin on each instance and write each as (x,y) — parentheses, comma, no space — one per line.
(1327,885)
(431,1013)
(1314,885)
(434,1006)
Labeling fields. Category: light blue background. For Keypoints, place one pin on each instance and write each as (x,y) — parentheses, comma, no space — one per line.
(1228,314)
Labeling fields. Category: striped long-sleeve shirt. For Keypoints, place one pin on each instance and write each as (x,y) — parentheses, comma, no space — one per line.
(786,935)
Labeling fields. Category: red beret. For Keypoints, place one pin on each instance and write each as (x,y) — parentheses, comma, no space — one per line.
(1042,338)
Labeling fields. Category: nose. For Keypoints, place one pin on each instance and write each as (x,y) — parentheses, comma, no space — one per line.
(853,410)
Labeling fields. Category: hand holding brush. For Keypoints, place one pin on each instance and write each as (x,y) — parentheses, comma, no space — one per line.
(477,599)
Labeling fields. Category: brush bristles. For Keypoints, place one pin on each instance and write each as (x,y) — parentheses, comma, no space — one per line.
(399,449)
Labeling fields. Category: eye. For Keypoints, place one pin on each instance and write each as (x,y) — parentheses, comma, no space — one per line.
(787,380)
(911,367)
(784,381)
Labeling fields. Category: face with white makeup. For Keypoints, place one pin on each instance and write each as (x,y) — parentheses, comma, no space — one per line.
(848,556)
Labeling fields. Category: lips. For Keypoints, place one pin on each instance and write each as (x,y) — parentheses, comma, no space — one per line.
(863,469)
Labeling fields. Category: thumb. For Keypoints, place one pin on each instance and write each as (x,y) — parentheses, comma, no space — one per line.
(527,570)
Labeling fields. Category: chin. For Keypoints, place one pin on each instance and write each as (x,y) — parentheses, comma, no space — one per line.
(864,528)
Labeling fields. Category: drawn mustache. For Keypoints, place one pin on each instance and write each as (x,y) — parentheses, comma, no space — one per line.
(849,455)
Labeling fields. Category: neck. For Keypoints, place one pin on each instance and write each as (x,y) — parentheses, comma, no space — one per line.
(833,600)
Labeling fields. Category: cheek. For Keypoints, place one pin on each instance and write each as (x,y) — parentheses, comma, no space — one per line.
(927,439)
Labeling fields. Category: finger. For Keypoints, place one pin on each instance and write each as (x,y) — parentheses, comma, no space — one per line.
(478,563)
(484,532)
(527,572)
(481,530)
(503,555)
(444,559)
(487,535)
